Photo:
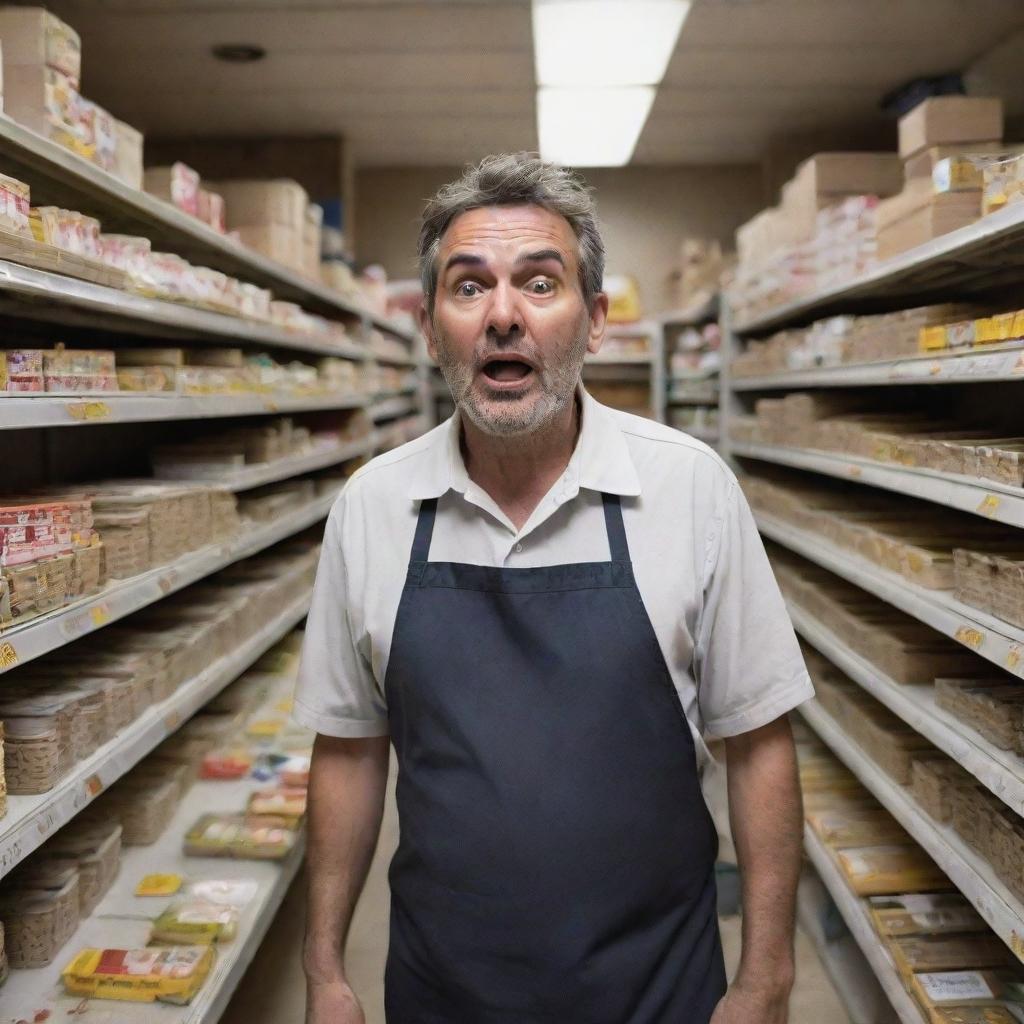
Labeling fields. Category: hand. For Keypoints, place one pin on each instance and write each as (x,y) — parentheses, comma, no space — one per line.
(741,1005)
(332,1002)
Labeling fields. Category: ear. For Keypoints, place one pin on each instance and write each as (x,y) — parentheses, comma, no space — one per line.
(427,329)
(598,321)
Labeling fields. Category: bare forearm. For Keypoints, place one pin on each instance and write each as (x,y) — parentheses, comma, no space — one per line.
(346,799)
(767,823)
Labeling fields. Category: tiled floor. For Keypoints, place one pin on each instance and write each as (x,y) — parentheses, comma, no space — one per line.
(273,989)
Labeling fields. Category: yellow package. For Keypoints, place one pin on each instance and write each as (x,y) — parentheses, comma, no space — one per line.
(931,339)
(937,913)
(195,923)
(173,974)
(883,870)
(158,885)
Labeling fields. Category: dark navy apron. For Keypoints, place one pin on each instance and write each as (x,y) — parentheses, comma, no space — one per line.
(556,856)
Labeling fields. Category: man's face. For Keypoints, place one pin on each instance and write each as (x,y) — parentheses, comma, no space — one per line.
(510,327)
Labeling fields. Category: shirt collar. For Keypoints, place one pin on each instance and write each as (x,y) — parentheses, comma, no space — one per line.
(601,461)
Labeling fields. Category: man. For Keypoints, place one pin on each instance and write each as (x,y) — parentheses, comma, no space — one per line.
(544,604)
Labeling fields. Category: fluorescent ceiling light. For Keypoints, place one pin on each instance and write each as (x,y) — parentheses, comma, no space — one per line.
(605,42)
(591,127)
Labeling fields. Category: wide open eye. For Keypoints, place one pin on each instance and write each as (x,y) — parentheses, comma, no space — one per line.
(541,286)
(467,289)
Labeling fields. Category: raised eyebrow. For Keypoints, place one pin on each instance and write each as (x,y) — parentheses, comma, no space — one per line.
(539,256)
(464,259)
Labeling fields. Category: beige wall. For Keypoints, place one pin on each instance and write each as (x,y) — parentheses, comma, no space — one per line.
(645,212)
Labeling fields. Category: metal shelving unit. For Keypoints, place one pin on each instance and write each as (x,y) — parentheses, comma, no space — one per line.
(1001,771)
(282,469)
(972,875)
(22,412)
(993,639)
(122,920)
(42,295)
(981,255)
(62,178)
(626,366)
(904,1007)
(31,820)
(23,643)
(990,500)
(392,408)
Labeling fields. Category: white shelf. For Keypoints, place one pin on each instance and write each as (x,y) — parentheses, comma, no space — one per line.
(122,597)
(993,639)
(62,178)
(707,436)
(283,469)
(982,253)
(991,363)
(1001,771)
(122,921)
(31,820)
(859,922)
(18,412)
(693,398)
(47,296)
(619,359)
(972,875)
(391,408)
(693,316)
(985,498)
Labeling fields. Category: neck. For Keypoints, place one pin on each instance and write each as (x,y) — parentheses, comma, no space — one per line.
(518,471)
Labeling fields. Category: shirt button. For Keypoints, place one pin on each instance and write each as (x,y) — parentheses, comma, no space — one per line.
(519,548)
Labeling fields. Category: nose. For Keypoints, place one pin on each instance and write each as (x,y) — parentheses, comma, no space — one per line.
(503,319)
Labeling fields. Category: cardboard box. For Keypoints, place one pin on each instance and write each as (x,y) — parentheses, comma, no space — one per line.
(831,175)
(177,184)
(211,209)
(942,120)
(255,203)
(127,154)
(921,164)
(944,213)
(276,241)
(46,102)
(34,37)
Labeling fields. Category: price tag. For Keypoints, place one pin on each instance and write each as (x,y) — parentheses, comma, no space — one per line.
(970,637)
(1017,945)
(1013,658)
(84,411)
(270,405)
(172,721)
(855,471)
(167,582)
(99,614)
(8,655)
(989,505)
(1019,365)
(93,786)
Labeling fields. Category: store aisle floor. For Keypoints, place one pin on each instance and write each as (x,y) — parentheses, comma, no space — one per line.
(273,990)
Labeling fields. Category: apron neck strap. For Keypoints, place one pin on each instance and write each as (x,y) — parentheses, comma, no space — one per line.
(424,530)
(617,543)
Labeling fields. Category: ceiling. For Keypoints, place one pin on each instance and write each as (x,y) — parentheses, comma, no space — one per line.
(441,82)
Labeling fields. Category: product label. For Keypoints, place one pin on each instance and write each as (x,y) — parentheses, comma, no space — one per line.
(1013,658)
(989,505)
(970,637)
(100,614)
(89,410)
(158,885)
(93,785)
(955,986)
(8,655)
(1017,945)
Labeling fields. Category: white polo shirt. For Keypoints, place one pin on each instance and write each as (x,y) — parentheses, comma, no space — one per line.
(697,558)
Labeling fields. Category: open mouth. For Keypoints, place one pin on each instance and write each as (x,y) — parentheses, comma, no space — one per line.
(506,371)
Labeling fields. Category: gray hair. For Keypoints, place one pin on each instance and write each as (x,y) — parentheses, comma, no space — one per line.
(514,179)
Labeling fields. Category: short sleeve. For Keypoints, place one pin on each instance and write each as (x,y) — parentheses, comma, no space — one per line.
(336,693)
(748,663)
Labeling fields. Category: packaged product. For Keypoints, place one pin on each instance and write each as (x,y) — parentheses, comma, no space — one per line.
(971,997)
(229,892)
(211,210)
(127,164)
(286,801)
(39,906)
(95,846)
(66,229)
(947,952)
(158,885)
(229,764)
(254,837)
(993,705)
(934,783)
(32,36)
(936,913)
(24,369)
(172,975)
(858,827)
(195,923)
(945,120)
(885,870)
(14,205)
(177,184)
(250,203)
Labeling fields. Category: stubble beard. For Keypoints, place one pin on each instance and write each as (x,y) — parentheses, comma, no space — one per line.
(503,414)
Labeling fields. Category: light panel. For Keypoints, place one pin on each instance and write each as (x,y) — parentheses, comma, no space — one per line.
(605,42)
(592,127)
